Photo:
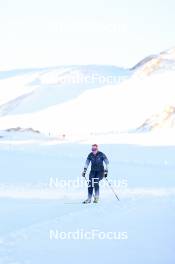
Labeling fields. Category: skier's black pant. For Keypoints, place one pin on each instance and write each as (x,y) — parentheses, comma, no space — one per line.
(94,178)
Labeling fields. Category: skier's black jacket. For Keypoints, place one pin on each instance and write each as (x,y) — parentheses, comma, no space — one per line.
(97,161)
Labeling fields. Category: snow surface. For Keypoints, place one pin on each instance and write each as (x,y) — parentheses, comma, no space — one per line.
(32,205)
(36,90)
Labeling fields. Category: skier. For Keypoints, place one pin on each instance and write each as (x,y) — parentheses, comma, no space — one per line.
(97,172)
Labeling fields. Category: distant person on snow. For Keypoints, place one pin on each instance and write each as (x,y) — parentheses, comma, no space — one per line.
(97,172)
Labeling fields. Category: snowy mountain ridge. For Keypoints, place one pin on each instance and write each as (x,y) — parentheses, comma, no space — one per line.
(84,100)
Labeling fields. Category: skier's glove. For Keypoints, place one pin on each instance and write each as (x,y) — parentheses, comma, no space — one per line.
(84,172)
(105,173)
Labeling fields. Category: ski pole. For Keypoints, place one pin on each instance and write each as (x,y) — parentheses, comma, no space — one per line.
(110,185)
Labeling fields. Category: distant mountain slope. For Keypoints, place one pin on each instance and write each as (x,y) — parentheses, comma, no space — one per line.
(164,61)
(79,109)
(165,119)
(40,89)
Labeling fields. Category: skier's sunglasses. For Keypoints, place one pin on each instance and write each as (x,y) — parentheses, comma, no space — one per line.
(94,149)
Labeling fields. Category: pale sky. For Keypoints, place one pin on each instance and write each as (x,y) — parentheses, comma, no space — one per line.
(39,33)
